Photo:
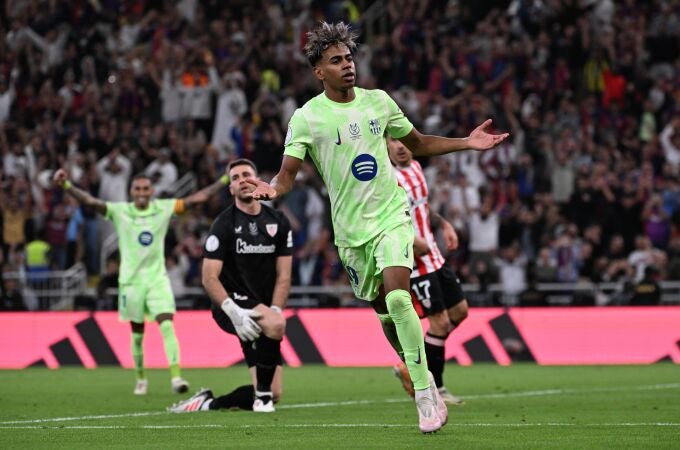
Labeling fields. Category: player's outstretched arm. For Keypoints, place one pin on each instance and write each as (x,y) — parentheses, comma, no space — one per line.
(204,194)
(281,184)
(60,178)
(428,145)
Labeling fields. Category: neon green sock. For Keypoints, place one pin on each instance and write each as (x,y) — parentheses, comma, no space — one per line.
(138,353)
(171,346)
(390,331)
(410,335)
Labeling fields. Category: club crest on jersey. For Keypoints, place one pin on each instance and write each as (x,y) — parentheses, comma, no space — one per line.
(272,228)
(374,126)
(145,238)
(364,167)
(252,228)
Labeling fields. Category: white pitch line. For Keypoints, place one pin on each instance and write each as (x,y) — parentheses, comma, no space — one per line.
(541,393)
(103,416)
(337,425)
(546,392)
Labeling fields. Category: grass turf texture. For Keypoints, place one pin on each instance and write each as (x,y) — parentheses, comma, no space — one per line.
(521,406)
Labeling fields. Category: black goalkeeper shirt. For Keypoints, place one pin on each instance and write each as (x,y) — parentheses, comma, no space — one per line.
(248,247)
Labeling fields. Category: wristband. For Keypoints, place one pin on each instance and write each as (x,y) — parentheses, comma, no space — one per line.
(224,179)
(276,308)
(66,185)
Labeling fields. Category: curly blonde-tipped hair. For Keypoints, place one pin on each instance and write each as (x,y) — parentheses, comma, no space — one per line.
(325,35)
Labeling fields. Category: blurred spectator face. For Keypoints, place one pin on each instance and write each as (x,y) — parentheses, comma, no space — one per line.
(628,201)
(582,183)
(544,258)
(59,212)
(642,242)
(486,207)
(616,244)
(586,251)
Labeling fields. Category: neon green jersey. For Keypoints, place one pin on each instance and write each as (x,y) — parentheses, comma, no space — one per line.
(141,238)
(347,143)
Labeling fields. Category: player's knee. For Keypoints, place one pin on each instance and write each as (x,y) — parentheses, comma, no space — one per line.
(276,328)
(439,323)
(398,299)
(458,313)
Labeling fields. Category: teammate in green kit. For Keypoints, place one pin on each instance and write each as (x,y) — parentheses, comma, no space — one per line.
(143,283)
(343,131)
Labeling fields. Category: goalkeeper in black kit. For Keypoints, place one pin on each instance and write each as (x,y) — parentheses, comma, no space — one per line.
(247,264)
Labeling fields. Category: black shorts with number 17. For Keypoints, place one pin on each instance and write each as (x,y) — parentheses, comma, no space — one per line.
(436,291)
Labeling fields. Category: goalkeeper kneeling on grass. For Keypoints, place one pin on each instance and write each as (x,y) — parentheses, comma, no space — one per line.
(247,264)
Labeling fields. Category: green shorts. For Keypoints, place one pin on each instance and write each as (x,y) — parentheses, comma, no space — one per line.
(149,298)
(365,264)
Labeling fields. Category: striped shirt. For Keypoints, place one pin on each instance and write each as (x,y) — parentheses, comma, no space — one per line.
(412,179)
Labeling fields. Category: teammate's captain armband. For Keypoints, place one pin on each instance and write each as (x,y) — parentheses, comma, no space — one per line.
(179,206)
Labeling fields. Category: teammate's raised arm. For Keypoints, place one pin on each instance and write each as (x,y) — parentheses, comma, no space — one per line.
(281,184)
(204,194)
(60,178)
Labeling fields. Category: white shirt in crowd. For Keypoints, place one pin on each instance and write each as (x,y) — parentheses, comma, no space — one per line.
(670,151)
(483,232)
(197,100)
(168,175)
(231,105)
(113,186)
(512,274)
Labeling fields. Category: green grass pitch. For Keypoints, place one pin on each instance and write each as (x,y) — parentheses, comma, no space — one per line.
(520,406)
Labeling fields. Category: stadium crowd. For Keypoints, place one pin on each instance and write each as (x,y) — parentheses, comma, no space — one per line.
(587,188)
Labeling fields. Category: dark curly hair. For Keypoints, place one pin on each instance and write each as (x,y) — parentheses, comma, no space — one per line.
(325,35)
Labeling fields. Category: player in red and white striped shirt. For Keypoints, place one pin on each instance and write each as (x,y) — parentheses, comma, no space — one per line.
(434,286)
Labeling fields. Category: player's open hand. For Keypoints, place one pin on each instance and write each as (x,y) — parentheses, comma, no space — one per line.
(481,140)
(263,191)
(59,177)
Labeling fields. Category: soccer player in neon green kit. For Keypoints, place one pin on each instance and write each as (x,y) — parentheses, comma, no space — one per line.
(143,283)
(343,131)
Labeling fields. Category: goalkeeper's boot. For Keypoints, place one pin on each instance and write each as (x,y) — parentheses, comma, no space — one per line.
(449,398)
(263,402)
(179,385)
(401,372)
(141,387)
(442,410)
(193,403)
(429,420)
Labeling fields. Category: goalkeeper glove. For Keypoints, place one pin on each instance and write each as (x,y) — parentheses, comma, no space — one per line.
(243,320)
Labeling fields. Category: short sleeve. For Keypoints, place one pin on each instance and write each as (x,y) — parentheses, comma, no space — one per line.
(167,205)
(298,137)
(284,246)
(216,244)
(112,210)
(398,124)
